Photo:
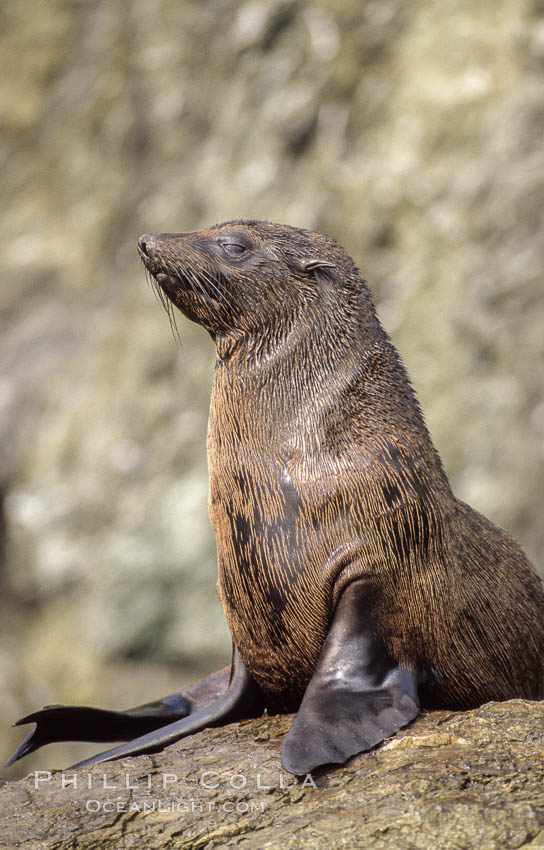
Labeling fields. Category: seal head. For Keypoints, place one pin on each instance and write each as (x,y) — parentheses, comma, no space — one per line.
(235,278)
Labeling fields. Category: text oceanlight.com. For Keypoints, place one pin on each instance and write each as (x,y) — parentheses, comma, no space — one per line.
(242,807)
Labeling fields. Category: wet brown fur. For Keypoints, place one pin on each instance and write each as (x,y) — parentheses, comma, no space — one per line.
(322,471)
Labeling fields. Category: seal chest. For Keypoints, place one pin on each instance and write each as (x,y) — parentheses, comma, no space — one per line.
(356,586)
(268,583)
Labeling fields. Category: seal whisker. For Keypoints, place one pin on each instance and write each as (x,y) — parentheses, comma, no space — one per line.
(214,292)
(173,324)
(167,305)
(193,281)
(221,295)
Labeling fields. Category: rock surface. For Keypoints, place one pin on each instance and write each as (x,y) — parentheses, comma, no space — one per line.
(452,781)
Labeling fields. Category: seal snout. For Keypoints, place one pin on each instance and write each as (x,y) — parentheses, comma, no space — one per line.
(147,249)
(143,242)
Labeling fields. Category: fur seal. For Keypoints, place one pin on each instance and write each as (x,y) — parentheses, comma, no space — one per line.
(357,588)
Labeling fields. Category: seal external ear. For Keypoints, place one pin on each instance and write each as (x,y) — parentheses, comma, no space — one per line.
(357,696)
(212,701)
(308,265)
(316,263)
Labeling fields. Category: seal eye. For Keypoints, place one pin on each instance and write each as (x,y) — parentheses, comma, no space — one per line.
(234,249)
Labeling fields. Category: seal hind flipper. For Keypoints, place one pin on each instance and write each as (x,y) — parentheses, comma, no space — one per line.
(242,699)
(56,723)
(211,701)
(357,696)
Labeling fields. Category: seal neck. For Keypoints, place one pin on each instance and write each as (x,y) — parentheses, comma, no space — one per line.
(308,338)
(296,367)
(286,385)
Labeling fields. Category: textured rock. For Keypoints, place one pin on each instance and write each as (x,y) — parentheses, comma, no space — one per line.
(467,780)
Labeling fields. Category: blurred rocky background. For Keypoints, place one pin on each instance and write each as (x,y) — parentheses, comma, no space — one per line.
(412,132)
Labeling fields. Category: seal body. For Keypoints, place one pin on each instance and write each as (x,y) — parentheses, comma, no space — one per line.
(356,586)
(321,472)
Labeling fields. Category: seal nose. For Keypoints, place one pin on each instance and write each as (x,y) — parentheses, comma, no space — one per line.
(142,243)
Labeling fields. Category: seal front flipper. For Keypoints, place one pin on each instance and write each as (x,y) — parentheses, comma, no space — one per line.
(357,696)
